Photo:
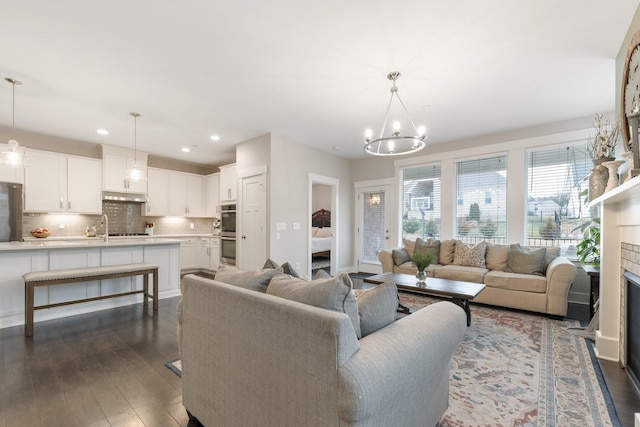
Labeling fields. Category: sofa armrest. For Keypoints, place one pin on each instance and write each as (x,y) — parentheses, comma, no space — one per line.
(386,259)
(561,273)
(409,358)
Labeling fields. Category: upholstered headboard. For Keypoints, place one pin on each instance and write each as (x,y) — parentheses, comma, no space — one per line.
(321,218)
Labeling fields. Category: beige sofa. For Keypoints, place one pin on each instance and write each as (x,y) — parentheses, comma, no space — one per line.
(544,293)
(254,359)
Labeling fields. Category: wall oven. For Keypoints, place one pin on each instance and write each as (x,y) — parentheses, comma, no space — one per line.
(228,234)
(228,250)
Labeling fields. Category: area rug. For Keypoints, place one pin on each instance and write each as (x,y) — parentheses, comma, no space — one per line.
(521,369)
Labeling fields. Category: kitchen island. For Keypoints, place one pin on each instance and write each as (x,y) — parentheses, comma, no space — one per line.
(18,258)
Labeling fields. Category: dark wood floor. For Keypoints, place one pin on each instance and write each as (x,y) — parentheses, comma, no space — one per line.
(107,369)
(99,369)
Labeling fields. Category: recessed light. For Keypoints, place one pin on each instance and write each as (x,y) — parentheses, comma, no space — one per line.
(186,149)
(103,132)
(215,138)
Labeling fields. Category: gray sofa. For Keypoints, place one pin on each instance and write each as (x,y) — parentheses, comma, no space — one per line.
(545,292)
(254,359)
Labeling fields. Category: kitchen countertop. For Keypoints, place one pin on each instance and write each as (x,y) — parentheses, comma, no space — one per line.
(86,242)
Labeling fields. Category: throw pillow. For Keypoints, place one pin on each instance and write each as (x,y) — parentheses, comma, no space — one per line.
(409,246)
(470,256)
(400,256)
(525,261)
(288,269)
(256,280)
(332,293)
(322,274)
(323,232)
(447,251)
(496,257)
(553,252)
(429,247)
(377,307)
(269,263)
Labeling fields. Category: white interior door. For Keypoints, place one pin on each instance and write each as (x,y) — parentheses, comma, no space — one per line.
(373,226)
(253,238)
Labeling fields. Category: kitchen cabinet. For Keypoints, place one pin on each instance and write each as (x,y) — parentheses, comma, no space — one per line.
(115,163)
(212,191)
(228,183)
(209,253)
(186,192)
(157,192)
(189,253)
(64,184)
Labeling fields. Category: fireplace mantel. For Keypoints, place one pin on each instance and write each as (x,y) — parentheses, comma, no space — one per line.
(620,223)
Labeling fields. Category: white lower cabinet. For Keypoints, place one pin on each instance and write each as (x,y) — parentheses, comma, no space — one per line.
(189,253)
(209,253)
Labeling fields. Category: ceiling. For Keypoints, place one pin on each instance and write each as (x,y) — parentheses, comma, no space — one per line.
(311,73)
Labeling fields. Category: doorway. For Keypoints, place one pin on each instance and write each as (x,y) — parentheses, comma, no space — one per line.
(373,226)
(323,229)
(252,238)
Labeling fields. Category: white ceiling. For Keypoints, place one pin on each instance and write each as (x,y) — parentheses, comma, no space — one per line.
(313,73)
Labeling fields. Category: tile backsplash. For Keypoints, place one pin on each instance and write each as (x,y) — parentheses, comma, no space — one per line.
(124,217)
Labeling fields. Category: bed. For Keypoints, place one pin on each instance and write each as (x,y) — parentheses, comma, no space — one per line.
(321,233)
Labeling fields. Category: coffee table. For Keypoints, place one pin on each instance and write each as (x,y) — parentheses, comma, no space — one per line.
(460,292)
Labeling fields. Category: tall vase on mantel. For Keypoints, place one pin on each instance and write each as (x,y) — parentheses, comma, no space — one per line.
(612,168)
(598,178)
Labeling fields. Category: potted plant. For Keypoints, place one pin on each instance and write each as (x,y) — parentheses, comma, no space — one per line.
(603,145)
(588,250)
(422,261)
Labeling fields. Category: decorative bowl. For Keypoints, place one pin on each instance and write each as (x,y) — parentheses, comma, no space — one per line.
(40,234)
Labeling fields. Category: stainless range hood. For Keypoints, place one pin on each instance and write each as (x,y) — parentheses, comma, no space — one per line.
(124,197)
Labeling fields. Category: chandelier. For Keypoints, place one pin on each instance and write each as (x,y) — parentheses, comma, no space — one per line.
(14,155)
(395,143)
(136,172)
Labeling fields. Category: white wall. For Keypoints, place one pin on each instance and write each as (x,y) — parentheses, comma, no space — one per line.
(291,164)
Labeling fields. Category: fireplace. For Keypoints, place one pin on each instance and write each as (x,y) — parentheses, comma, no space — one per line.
(632,333)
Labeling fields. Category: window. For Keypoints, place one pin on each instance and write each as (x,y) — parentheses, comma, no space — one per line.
(421,201)
(482,188)
(555,200)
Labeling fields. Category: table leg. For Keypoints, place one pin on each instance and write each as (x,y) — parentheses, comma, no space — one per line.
(28,312)
(464,304)
(145,288)
(155,290)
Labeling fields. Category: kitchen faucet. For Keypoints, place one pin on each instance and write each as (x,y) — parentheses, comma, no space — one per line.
(105,221)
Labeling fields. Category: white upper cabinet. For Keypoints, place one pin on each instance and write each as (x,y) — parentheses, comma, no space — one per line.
(115,163)
(157,192)
(58,183)
(228,183)
(84,180)
(211,197)
(186,193)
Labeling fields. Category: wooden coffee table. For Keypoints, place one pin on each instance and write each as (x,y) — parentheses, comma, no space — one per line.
(459,292)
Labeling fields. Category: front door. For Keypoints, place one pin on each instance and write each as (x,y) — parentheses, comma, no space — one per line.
(373,227)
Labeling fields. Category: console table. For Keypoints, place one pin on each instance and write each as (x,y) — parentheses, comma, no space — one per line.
(594,277)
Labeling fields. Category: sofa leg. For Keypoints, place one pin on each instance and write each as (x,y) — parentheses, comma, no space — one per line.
(555,317)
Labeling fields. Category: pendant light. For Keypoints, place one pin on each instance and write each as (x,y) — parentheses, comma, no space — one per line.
(136,172)
(395,143)
(14,155)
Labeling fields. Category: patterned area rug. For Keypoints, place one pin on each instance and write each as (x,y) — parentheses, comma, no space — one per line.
(521,369)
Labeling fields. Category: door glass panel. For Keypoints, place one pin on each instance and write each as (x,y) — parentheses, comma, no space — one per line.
(374,226)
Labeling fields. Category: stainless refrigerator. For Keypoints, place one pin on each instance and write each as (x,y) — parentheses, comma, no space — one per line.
(10,212)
